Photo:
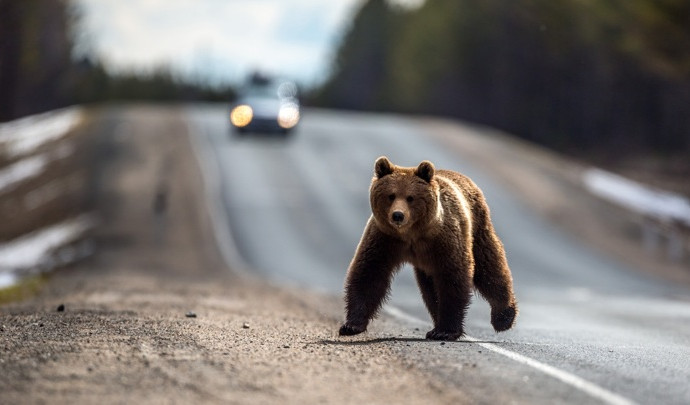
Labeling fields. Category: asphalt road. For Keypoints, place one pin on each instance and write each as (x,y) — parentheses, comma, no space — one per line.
(590,330)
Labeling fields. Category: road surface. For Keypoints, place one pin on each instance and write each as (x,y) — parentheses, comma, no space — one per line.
(590,330)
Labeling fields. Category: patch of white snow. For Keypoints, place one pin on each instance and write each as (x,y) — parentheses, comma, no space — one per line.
(659,204)
(22,170)
(7,280)
(22,136)
(34,249)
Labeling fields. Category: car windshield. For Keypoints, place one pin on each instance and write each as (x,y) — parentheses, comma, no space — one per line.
(262,87)
(266,91)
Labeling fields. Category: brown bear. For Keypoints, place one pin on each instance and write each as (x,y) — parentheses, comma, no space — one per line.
(438,221)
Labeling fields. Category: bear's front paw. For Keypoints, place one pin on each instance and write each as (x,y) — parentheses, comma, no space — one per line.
(349,329)
(443,335)
(503,320)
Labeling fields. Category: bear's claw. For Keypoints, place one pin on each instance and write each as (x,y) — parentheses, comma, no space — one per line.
(445,335)
(349,329)
(504,319)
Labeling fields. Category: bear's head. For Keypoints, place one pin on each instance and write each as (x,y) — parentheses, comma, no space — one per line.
(404,200)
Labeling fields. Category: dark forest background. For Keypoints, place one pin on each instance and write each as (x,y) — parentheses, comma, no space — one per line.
(39,71)
(608,79)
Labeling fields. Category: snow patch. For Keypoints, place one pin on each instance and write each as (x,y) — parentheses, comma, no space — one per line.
(22,170)
(24,135)
(36,250)
(31,166)
(7,280)
(662,205)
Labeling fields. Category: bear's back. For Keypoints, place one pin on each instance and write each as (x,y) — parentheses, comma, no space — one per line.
(474,198)
(464,183)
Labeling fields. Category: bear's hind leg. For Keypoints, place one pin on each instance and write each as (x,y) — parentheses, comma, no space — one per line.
(493,280)
(426,286)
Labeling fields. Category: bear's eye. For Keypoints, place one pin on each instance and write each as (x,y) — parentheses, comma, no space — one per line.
(410,198)
(391,197)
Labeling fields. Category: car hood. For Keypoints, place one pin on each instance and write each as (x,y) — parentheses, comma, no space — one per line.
(263,107)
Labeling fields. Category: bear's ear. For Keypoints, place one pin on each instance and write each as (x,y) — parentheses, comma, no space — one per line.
(425,171)
(382,167)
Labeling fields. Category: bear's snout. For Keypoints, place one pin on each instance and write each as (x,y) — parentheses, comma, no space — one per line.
(398,217)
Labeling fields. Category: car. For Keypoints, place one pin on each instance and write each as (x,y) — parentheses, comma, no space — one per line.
(266,105)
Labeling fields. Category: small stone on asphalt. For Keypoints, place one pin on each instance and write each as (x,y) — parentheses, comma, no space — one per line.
(61,308)
(245,325)
(190,314)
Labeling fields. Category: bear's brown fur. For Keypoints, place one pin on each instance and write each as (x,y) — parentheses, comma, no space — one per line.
(438,221)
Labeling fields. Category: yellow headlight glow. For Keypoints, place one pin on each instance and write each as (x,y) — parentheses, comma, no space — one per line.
(241,115)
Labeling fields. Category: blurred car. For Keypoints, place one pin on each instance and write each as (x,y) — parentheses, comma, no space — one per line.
(266,105)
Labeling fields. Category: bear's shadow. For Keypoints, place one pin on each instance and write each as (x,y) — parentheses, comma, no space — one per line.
(394,339)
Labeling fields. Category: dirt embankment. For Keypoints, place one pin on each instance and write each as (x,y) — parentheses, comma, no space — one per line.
(31,202)
(156,317)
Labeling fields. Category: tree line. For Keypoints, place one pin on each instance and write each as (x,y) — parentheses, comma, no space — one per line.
(608,78)
(39,71)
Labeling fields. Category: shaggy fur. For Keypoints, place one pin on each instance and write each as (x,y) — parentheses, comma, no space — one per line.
(439,222)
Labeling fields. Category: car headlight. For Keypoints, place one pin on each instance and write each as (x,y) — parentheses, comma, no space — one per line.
(241,115)
(288,116)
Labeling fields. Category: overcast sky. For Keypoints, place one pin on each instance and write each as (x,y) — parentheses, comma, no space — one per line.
(221,40)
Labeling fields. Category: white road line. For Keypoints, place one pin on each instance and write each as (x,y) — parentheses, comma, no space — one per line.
(563,376)
(214,200)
